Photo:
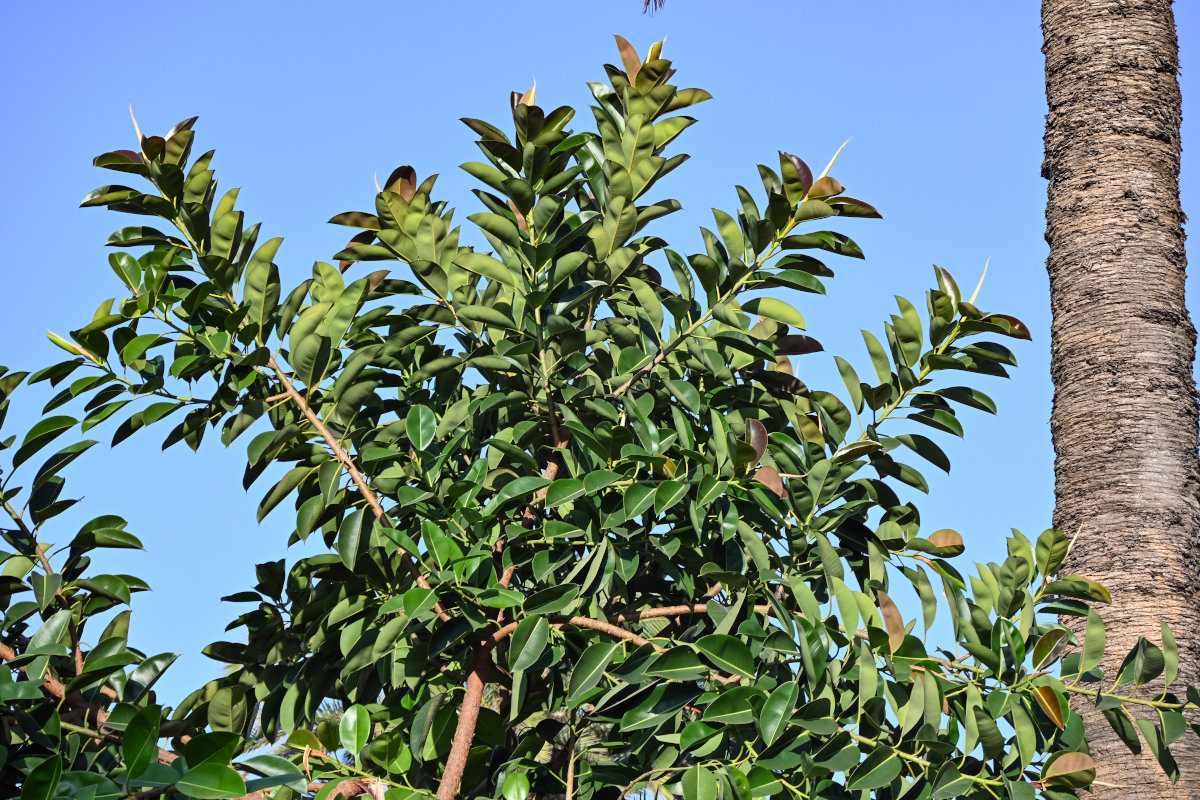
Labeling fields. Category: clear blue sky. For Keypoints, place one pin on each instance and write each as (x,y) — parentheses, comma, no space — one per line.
(305,102)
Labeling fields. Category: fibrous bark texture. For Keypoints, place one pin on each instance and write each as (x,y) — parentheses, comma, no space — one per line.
(1124,422)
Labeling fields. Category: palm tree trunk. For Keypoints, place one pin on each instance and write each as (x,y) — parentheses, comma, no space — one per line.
(1124,422)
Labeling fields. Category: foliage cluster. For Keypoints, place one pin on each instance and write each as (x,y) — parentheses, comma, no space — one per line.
(589,534)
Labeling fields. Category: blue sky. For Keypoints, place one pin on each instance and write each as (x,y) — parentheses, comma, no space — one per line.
(943,103)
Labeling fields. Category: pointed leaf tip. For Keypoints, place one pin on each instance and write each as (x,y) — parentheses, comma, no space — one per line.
(629,58)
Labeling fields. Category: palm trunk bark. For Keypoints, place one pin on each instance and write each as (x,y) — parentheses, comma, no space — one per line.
(1124,422)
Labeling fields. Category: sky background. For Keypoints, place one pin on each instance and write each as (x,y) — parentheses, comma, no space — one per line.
(305,103)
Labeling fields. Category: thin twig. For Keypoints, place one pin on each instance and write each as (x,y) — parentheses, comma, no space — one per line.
(344,458)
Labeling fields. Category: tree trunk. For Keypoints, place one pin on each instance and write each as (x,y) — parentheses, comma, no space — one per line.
(1124,422)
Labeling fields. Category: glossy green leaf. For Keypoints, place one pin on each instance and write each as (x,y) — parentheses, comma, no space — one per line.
(212,782)
(528,643)
(878,769)
(776,711)
(41,781)
(699,783)
(354,728)
(776,309)
(678,664)
(420,424)
(139,742)
(728,654)
(732,707)
(589,669)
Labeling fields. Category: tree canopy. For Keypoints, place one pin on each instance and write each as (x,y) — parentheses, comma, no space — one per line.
(589,533)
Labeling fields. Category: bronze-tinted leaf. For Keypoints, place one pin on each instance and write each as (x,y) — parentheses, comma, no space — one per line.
(356,219)
(948,541)
(779,383)
(769,477)
(851,207)
(796,345)
(1019,329)
(402,181)
(1048,700)
(802,169)
(366,237)
(825,187)
(629,58)
(1074,770)
(524,98)
(756,435)
(376,278)
(892,620)
(522,223)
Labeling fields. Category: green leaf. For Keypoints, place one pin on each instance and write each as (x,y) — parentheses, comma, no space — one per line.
(40,435)
(775,309)
(41,781)
(732,707)
(528,643)
(420,426)
(551,600)
(212,782)
(1048,647)
(350,535)
(354,728)
(969,397)
(699,783)
(877,770)
(853,385)
(678,664)
(1170,655)
(277,771)
(563,491)
(1026,731)
(589,669)
(1123,726)
(517,487)
(139,742)
(950,783)
(990,737)
(485,314)
(728,654)
(687,394)
(488,267)
(879,358)
(776,711)
(668,494)
(418,600)
(516,786)
(1052,548)
(500,227)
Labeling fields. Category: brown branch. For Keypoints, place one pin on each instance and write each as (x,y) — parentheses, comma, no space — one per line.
(468,716)
(76,650)
(344,458)
(78,705)
(671,611)
(464,734)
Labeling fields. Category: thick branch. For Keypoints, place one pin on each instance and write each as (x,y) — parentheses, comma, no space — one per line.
(468,716)
(464,734)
